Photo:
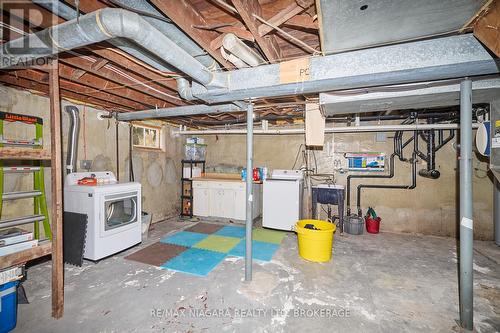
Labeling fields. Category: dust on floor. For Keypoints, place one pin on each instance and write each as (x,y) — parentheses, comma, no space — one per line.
(375,283)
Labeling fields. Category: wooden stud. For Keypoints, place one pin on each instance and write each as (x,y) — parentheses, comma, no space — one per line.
(57,204)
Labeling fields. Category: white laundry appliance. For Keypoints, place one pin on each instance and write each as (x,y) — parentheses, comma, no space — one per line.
(113,210)
(282,199)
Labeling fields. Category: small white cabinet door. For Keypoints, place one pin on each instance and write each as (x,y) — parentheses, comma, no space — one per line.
(201,201)
(215,208)
(240,204)
(227,203)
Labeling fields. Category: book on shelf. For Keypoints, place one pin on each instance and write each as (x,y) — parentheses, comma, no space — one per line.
(11,274)
(17,247)
(14,235)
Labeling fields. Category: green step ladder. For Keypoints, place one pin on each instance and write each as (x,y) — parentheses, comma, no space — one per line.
(40,213)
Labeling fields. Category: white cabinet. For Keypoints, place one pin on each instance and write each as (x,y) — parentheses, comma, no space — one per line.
(240,204)
(220,202)
(201,205)
(226,199)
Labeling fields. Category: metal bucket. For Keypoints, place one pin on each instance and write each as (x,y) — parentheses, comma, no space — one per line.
(354,225)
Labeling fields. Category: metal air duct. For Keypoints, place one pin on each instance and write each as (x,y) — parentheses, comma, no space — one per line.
(74,129)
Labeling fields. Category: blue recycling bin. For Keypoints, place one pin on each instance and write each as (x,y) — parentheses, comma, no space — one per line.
(8,306)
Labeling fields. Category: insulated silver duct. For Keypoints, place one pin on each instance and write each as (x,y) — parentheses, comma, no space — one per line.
(99,26)
(241,51)
(74,129)
(171,31)
(66,12)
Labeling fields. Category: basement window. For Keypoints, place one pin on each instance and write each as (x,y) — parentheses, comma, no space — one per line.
(145,136)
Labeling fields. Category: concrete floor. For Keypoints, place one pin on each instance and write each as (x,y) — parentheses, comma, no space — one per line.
(375,283)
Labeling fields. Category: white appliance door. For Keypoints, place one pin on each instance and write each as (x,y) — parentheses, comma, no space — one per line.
(120,212)
(281,204)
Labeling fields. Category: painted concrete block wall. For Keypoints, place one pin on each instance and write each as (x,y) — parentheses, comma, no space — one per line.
(430,209)
(158,171)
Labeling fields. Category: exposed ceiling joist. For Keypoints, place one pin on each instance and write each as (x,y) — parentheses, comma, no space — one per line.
(302,21)
(487,28)
(131,80)
(268,44)
(186,17)
(283,15)
(41,77)
(12,80)
(100,84)
(237,30)
(136,69)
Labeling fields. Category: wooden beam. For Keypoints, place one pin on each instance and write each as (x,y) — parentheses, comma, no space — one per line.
(184,15)
(487,28)
(99,64)
(238,31)
(217,42)
(90,91)
(268,44)
(131,79)
(302,21)
(126,61)
(281,17)
(9,153)
(99,74)
(56,176)
(22,257)
(110,87)
(22,83)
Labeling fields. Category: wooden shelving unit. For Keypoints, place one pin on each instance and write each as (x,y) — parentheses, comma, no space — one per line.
(19,258)
(14,153)
(54,247)
(187,187)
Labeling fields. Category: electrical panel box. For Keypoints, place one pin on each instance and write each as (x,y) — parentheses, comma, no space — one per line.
(371,161)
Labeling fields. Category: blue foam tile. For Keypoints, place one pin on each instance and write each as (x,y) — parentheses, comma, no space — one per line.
(195,261)
(184,238)
(260,250)
(231,231)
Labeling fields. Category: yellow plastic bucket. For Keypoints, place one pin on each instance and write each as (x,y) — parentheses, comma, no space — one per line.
(315,245)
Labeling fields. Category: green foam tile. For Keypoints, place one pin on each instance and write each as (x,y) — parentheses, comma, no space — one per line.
(268,236)
(217,243)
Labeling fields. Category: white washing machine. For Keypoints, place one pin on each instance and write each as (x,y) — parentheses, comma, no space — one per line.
(113,210)
(282,199)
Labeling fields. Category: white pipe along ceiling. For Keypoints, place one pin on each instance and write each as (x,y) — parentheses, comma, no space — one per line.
(340,129)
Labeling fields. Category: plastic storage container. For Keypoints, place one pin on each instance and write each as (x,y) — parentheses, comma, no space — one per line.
(195,151)
(8,308)
(315,245)
(354,225)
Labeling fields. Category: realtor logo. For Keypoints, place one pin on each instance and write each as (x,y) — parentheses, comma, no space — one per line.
(20,19)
